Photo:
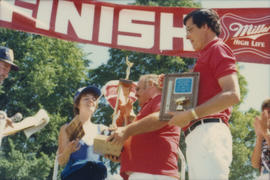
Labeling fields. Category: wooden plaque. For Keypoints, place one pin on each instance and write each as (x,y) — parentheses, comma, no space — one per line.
(102,147)
(74,129)
(180,93)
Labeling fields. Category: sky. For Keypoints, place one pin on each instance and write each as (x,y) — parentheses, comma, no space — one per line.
(257,75)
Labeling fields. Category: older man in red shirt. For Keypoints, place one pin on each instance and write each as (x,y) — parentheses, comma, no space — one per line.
(150,146)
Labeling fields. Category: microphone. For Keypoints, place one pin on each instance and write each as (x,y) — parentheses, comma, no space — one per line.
(17,117)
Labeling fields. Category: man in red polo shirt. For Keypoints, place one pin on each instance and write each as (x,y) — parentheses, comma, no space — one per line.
(207,135)
(150,146)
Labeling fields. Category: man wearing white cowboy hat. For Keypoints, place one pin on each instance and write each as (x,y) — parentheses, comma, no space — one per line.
(6,63)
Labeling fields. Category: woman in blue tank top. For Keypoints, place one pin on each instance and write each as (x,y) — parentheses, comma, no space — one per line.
(77,155)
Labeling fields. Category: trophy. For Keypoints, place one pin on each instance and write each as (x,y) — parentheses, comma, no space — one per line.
(117,93)
(180,92)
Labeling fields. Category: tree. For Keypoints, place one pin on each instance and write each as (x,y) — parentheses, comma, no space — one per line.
(243,143)
(50,72)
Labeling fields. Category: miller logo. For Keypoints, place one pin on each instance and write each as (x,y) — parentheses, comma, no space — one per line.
(247,35)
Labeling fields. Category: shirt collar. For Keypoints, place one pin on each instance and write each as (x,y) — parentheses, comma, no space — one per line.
(150,100)
(208,45)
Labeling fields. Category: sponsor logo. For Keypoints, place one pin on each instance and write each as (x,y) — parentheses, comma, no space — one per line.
(247,35)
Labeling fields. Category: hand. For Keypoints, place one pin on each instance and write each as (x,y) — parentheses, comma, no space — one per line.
(112,158)
(261,124)
(265,120)
(118,136)
(9,122)
(257,126)
(160,80)
(112,127)
(180,119)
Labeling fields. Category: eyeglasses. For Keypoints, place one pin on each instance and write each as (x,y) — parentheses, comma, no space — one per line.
(189,29)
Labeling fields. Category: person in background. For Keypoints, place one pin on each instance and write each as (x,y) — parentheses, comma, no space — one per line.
(261,153)
(77,155)
(207,135)
(6,63)
(150,146)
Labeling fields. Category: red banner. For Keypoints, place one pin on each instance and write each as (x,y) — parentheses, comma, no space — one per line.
(156,30)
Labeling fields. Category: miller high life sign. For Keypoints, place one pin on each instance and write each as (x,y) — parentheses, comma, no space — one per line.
(248,36)
(156,30)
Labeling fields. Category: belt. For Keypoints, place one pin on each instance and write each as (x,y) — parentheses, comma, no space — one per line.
(194,125)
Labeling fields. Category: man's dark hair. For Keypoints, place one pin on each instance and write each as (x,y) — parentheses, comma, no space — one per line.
(201,17)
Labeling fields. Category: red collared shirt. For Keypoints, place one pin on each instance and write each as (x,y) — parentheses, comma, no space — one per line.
(153,152)
(216,60)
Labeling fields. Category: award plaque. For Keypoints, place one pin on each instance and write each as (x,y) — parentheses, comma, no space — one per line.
(180,92)
(74,129)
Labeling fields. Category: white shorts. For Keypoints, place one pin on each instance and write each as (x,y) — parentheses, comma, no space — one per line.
(146,176)
(263,177)
(209,152)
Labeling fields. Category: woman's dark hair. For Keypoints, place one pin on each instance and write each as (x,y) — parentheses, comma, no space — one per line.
(201,17)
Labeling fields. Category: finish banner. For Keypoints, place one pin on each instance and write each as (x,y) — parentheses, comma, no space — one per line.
(156,30)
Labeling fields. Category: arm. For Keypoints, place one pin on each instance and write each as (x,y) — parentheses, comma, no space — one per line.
(229,96)
(256,154)
(265,121)
(65,147)
(147,124)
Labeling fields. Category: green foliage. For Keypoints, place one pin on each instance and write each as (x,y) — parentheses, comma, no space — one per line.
(18,165)
(243,143)
(50,72)
(180,3)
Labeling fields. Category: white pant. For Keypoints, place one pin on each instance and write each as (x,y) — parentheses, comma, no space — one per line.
(263,177)
(209,152)
(146,176)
